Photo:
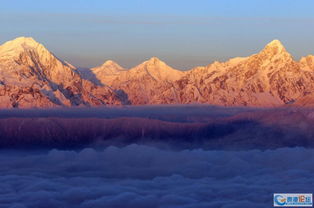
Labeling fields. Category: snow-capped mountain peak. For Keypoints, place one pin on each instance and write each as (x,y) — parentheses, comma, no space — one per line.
(157,69)
(154,60)
(275,43)
(109,68)
(17,45)
(20,41)
(112,65)
(31,76)
(273,48)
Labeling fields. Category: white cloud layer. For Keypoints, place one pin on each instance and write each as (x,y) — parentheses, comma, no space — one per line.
(141,176)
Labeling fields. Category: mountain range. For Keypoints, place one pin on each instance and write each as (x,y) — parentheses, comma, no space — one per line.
(31,76)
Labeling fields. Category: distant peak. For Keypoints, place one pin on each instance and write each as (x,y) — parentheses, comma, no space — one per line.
(273,48)
(23,45)
(154,60)
(111,67)
(109,62)
(275,44)
(19,43)
(23,40)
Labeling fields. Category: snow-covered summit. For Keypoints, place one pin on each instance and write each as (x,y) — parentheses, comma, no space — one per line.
(275,47)
(19,44)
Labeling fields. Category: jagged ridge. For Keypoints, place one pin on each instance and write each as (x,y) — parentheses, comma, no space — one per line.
(31,76)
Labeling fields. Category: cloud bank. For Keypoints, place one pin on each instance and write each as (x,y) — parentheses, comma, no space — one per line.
(141,176)
(178,127)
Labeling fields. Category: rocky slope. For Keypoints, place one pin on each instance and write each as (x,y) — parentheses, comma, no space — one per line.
(31,76)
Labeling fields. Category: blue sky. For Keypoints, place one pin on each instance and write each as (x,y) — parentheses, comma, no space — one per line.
(182,33)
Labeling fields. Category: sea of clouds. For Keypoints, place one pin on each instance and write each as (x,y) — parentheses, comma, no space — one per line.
(146,177)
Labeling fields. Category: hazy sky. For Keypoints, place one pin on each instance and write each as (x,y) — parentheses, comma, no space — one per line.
(184,33)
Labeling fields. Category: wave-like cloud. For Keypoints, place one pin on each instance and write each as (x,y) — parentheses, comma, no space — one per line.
(141,176)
